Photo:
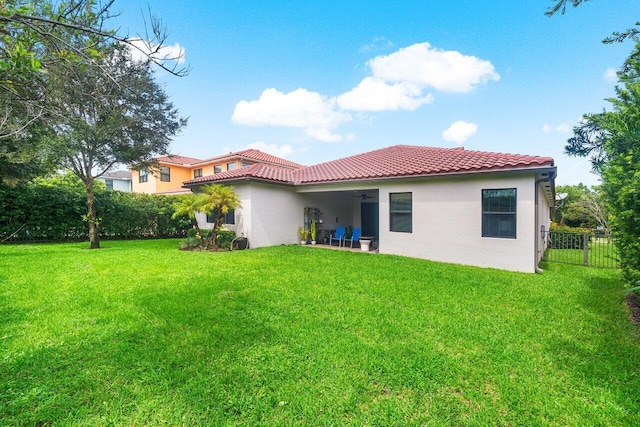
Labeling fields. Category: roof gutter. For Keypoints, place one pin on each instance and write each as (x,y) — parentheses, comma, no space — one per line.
(550,175)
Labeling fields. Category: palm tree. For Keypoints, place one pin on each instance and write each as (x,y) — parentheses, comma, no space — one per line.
(217,201)
(189,205)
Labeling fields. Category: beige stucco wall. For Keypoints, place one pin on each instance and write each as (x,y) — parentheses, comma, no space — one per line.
(447,223)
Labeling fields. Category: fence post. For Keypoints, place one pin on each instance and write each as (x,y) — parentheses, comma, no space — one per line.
(585,248)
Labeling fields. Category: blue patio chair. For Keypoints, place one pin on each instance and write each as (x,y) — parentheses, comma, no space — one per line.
(339,236)
(355,237)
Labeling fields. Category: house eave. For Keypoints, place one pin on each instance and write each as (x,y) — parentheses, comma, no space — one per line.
(528,170)
(238,180)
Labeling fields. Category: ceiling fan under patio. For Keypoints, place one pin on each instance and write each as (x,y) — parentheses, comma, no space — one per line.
(364,196)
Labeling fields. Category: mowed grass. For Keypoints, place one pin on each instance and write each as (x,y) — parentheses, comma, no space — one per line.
(139,333)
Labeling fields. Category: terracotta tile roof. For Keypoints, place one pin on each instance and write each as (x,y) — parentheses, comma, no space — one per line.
(258,171)
(178,160)
(409,160)
(255,155)
(390,162)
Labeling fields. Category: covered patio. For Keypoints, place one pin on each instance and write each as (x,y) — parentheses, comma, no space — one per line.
(349,209)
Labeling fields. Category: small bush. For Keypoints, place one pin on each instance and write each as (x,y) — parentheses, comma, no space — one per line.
(191,243)
(192,233)
(225,238)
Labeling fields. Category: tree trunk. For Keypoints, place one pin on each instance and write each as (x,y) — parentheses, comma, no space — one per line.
(94,238)
(219,221)
(194,224)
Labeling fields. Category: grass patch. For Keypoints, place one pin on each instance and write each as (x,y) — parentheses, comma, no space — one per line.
(140,333)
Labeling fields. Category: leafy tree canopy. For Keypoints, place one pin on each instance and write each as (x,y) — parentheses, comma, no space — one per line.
(580,206)
(612,140)
(36,37)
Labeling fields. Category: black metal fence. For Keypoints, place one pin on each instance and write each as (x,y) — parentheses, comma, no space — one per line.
(589,249)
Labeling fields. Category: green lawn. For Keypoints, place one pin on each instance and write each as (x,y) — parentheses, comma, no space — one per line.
(139,333)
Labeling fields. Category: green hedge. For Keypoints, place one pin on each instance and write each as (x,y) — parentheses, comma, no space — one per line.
(53,210)
(565,237)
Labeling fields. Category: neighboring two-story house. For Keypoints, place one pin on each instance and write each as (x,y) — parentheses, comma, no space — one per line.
(172,171)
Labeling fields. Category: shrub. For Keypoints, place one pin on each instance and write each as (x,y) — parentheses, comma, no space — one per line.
(191,243)
(225,238)
(53,209)
(565,237)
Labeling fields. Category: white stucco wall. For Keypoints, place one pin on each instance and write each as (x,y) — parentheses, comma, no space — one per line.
(270,214)
(447,222)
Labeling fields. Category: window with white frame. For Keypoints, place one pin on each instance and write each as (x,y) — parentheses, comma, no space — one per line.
(143,175)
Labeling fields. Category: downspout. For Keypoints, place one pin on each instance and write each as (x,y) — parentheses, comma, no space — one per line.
(537,218)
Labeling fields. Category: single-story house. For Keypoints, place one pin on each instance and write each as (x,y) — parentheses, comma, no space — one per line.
(443,204)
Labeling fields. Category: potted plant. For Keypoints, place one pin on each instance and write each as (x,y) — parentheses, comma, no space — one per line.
(313,232)
(302,232)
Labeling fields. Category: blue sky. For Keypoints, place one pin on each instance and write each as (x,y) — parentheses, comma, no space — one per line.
(316,81)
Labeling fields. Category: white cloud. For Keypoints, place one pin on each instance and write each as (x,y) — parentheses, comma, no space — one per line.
(398,81)
(610,75)
(142,49)
(561,128)
(373,94)
(314,113)
(423,66)
(283,150)
(459,131)
(377,44)
(324,135)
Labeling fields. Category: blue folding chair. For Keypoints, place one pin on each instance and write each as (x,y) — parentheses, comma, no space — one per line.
(355,237)
(339,236)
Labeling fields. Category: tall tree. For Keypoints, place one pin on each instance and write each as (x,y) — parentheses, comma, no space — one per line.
(115,113)
(36,35)
(612,140)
